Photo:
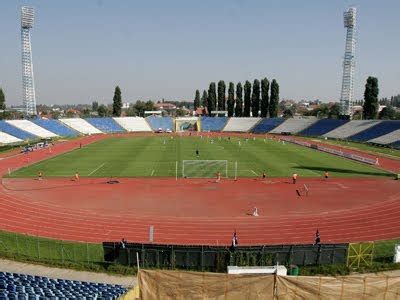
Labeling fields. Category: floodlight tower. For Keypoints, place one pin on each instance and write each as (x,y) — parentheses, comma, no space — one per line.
(347,94)
(28,84)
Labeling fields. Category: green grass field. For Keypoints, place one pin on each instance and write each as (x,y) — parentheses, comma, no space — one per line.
(157,156)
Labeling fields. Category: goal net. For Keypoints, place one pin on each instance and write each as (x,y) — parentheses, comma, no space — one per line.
(204,168)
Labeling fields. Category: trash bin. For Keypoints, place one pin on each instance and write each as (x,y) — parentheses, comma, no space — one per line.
(294,270)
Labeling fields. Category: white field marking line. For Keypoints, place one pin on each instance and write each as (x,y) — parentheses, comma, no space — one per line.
(98,168)
(152,172)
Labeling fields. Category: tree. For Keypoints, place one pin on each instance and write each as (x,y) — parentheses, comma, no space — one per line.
(288,112)
(334,111)
(247,99)
(102,111)
(239,100)
(231,99)
(387,113)
(204,99)
(196,102)
(255,98)
(274,100)
(371,106)
(264,97)
(2,100)
(117,102)
(221,95)
(86,113)
(95,105)
(212,98)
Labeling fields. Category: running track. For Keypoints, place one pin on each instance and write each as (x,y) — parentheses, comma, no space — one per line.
(198,212)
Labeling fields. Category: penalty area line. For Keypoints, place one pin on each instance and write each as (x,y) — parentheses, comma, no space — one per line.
(98,168)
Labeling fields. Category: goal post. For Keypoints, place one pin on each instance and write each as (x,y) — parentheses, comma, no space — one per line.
(204,168)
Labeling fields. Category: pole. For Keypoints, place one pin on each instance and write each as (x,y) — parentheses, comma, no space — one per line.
(235,170)
(176,170)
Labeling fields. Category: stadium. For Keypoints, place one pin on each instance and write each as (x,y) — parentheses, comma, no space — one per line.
(240,194)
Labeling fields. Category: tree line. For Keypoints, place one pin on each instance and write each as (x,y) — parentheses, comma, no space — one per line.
(260,99)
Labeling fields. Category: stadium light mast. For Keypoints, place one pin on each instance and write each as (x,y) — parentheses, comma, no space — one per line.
(28,84)
(347,93)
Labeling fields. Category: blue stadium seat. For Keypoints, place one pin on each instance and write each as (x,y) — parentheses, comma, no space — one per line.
(56,127)
(266,125)
(105,124)
(22,286)
(213,123)
(322,127)
(396,144)
(378,130)
(160,123)
(14,131)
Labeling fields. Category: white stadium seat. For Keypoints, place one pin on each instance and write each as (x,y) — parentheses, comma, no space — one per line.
(294,125)
(389,138)
(241,124)
(132,124)
(351,128)
(81,126)
(32,128)
(8,139)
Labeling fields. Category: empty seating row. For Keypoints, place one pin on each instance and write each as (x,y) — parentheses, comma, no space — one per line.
(294,125)
(387,139)
(5,138)
(212,123)
(105,124)
(160,123)
(80,125)
(351,128)
(32,128)
(323,126)
(378,130)
(15,131)
(133,124)
(21,286)
(56,127)
(241,124)
(266,125)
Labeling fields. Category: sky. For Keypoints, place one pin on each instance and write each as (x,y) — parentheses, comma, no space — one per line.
(168,49)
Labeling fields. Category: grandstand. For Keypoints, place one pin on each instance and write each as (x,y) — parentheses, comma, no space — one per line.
(133,124)
(80,125)
(351,128)
(160,123)
(105,124)
(323,126)
(8,139)
(378,130)
(56,127)
(213,123)
(386,139)
(294,125)
(32,128)
(241,124)
(16,132)
(266,125)
(396,144)
(21,286)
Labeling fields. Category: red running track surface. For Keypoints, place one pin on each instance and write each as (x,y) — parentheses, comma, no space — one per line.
(197,212)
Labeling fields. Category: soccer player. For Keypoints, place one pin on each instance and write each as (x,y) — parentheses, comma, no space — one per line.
(264,175)
(218,176)
(197,153)
(40,175)
(294,178)
(326,174)
(77,176)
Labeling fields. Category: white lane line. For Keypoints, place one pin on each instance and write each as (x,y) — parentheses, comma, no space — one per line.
(152,172)
(95,170)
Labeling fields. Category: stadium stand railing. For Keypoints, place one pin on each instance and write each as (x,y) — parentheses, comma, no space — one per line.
(32,128)
(213,123)
(5,138)
(386,139)
(80,125)
(56,127)
(378,130)
(160,123)
(133,124)
(322,126)
(266,125)
(21,286)
(105,124)
(294,125)
(240,124)
(14,131)
(351,128)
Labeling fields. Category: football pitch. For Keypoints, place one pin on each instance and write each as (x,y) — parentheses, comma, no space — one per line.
(163,156)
